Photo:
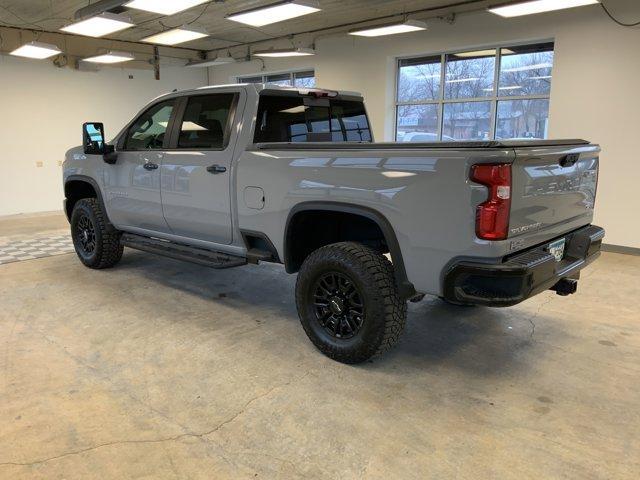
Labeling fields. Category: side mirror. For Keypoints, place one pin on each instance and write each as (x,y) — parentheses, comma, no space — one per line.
(94,144)
(93,138)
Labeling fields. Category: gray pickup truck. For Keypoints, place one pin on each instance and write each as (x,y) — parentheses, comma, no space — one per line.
(229,175)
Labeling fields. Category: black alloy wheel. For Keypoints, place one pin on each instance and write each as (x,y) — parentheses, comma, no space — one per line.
(96,241)
(86,236)
(348,302)
(338,305)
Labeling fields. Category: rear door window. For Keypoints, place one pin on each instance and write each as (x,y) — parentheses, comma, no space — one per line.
(287,119)
(205,122)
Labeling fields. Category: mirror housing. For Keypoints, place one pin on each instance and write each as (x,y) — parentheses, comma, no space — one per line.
(93,138)
(94,144)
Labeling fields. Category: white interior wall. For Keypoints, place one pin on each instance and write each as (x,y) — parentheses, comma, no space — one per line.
(41,113)
(593,96)
(594,90)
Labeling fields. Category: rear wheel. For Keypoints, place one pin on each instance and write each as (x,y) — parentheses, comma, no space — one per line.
(348,302)
(96,241)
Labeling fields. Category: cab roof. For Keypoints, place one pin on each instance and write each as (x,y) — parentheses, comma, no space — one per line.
(260,87)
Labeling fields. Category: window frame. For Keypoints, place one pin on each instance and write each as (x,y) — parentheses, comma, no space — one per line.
(494,98)
(263,75)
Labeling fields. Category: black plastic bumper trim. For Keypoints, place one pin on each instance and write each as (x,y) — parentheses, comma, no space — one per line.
(523,274)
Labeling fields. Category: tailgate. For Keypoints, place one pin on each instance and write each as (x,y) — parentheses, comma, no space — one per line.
(552,185)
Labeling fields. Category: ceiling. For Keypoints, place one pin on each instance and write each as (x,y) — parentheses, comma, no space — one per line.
(50,15)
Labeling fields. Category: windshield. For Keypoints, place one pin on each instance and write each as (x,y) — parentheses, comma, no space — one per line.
(302,119)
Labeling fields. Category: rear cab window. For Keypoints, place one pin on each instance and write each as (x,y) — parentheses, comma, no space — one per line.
(294,117)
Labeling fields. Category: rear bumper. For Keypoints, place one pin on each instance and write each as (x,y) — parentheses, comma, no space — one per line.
(523,274)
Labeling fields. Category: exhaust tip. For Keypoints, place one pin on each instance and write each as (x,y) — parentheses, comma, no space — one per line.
(566,286)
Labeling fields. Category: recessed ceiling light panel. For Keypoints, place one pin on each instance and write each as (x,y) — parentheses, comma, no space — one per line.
(164,7)
(111,57)
(463,80)
(482,53)
(291,52)
(277,12)
(530,7)
(176,35)
(537,66)
(100,25)
(36,50)
(390,29)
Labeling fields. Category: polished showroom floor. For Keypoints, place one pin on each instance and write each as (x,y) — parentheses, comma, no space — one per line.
(161,369)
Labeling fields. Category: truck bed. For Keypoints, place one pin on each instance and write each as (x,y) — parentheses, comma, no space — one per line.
(426,192)
(417,145)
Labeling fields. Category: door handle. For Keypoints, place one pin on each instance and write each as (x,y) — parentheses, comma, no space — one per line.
(150,166)
(215,169)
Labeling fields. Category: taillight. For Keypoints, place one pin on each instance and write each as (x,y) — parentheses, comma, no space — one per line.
(492,216)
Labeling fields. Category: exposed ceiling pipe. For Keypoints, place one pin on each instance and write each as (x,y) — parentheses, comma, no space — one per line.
(97,8)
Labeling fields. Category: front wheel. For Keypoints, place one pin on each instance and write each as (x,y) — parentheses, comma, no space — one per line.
(96,241)
(348,302)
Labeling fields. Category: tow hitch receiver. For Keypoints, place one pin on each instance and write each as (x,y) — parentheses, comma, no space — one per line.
(565,287)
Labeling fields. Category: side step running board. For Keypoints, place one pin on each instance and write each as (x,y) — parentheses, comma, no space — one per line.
(201,256)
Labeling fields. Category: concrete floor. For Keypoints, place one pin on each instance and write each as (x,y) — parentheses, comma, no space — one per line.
(31,224)
(161,369)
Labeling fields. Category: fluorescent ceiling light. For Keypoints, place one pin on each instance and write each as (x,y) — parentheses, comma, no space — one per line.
(460,80)
(395,174)
(538,6)
(36,50)
(100,25)
(111,57)
(164,7)
(537,66)
(297,109)
(390,29)
(514,87)
(176,35)
(277,12)
(291,52)
(477,53)
(214,62)
(192,127)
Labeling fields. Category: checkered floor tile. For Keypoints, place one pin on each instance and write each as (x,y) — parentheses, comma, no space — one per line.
(16,250)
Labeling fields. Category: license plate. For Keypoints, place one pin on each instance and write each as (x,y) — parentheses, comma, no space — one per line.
(557,249)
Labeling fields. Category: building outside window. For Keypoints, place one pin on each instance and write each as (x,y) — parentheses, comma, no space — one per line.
(305,79)
(496,93)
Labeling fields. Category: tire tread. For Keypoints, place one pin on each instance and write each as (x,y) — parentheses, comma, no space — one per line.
(380,271)
(110,250)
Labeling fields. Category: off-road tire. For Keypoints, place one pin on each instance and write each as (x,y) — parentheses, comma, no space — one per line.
(384,311)
(107,249)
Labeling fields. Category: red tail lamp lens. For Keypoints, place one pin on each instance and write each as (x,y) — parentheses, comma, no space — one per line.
(492,216)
